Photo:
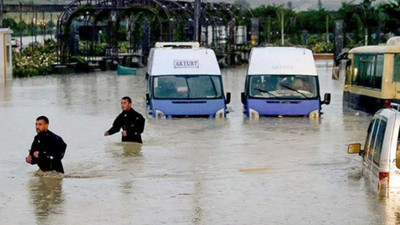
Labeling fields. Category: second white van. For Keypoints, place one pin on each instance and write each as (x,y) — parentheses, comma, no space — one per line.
(282,81)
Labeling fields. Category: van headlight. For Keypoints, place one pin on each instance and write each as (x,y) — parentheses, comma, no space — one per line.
(160,114)
(220,114)
(314,114)
(253,114)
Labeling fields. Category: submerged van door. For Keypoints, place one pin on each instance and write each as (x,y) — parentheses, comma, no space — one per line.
(373,154)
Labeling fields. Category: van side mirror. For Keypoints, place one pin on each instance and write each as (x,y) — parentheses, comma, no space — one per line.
(327,99)
(228,98)
(354,148)
(243,98)
(147,98)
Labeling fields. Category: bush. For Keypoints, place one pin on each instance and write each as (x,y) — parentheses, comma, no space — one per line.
(35,59)
(318,44)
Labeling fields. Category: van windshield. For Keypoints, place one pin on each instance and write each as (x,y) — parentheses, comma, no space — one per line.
(282,86)
(187,87)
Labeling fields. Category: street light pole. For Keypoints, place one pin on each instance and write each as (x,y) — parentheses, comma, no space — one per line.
(20,30)
(196,19)
(282,29)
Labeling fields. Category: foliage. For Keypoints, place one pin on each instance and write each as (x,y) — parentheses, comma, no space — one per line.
(35,59)
(314,21)
(89,48)
(82,65)
(317,44)
(388,16)
(377,22)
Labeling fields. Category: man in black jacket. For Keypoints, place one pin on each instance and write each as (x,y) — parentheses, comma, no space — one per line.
(131,122)
(47,148)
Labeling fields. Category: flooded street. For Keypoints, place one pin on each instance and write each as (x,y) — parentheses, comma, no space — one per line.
(188,171)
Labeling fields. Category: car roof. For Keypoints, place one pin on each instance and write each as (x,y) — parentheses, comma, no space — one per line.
(388,113)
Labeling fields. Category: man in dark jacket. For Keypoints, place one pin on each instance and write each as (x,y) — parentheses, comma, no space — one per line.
(47,148)
(131,122)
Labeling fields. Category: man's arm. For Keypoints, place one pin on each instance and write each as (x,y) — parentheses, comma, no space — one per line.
(115,127)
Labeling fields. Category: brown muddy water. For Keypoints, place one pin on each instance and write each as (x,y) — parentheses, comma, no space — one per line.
(188,171)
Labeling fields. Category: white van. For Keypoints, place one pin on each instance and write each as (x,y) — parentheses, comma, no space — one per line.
(381,153)
(282,81)
(184,80)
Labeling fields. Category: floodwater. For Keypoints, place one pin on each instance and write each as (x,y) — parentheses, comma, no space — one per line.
(188,171)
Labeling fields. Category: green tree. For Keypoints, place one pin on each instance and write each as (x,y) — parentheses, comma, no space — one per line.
(314,21)
(360,20)
(390,21)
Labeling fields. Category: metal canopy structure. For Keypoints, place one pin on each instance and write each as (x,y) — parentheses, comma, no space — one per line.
(141,23)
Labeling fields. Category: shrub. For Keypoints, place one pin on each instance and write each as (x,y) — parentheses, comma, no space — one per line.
(35,59)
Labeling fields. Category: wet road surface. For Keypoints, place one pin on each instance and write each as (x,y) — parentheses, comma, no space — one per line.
(188,171)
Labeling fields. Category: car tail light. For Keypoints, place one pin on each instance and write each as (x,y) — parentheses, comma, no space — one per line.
(383,175)
(383,183)
(387,103)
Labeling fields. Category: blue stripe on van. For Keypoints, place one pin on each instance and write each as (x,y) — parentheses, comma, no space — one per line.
(188,107)
(284,107)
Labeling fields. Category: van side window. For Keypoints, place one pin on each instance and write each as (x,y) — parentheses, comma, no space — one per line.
(368,139)
(396,69)
(398,144)
(370,70)
(380,134)
(372,140)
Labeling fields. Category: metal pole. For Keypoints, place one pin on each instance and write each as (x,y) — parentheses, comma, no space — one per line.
(51,20)
(44,27)
(196,19)
(327,29)
(36,20)
(32,21)
(282,29)
(1,13)
(20,31)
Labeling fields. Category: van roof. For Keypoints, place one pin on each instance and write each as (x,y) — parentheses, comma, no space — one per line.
(376,49)
(177,45)
(388,113)
(392,46)
(171,61)
(281,60)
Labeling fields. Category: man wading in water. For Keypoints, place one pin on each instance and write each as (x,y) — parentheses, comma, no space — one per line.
(131,122)
(47,148)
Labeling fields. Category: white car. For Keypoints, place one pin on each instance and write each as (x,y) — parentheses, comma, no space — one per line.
(381,149)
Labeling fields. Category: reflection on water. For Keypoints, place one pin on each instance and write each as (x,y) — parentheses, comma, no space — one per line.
(128,149)
(47,196)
